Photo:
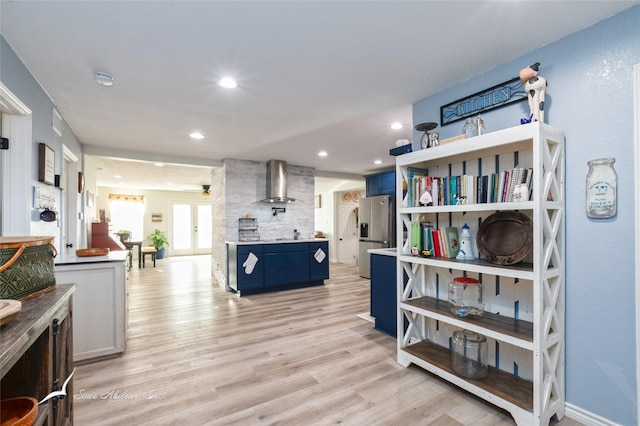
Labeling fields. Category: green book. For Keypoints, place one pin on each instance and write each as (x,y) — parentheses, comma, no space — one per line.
(416,237)
(451,241)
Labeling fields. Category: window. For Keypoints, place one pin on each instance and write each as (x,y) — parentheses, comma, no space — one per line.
(127,213)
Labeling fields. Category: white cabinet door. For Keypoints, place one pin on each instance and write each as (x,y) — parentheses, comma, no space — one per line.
(99,307)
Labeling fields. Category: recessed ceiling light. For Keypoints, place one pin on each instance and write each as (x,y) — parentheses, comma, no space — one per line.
(323,154)
(196,135)
(158,164)
(377,162)
(118,177)
(396,126)
(228,83)
(103,78)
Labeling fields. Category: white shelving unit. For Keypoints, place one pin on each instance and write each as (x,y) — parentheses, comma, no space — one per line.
(524,302)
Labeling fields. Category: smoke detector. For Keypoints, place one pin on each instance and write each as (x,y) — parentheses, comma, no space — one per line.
(103,78)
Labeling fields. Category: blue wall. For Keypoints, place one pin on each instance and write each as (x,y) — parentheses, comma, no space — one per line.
(17,78)
(590,98)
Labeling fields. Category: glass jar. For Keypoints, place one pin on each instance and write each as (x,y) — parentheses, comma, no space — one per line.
(601,188)
(465,297)
(469,128)
(469,353)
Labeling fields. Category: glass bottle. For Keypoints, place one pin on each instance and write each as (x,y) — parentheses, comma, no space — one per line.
(479,125)
(602,185)
(465,297)
(469,128)
(469,353)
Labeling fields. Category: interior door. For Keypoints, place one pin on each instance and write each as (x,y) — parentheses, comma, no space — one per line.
(191,228)
(347,230)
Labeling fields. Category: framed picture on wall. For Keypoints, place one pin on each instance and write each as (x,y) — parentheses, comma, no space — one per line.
(46,164)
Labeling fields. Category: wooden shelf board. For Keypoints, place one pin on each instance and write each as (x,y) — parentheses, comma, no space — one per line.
(519,270)
(506,386)
(519,329)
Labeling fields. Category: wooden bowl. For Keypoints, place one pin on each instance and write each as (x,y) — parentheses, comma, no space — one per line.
(92,252)
(20,411)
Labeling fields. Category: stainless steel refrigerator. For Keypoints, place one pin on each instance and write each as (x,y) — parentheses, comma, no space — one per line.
(376,230)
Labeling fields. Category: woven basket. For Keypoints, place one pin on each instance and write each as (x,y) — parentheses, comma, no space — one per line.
(26,266)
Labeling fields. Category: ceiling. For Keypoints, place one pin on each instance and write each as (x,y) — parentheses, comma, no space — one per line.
(312,75)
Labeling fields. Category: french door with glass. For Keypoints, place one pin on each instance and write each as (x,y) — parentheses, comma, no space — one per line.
(191,228)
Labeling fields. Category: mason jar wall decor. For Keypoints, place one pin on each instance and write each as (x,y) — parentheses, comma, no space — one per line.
(602,185)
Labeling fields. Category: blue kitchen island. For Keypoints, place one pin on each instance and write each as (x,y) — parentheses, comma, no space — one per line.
(273,265)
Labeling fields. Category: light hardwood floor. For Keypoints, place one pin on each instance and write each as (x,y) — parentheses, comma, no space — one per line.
(197,355)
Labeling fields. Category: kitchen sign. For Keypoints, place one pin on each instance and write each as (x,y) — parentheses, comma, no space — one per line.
(492,98)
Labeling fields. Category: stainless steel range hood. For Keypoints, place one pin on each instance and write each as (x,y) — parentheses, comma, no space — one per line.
(277,182)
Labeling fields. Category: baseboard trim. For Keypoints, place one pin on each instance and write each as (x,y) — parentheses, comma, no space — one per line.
(585,417)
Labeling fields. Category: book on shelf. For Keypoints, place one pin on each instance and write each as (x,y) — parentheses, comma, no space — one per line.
(510,185)
(413,175)
(416,238)
(521,192)
(437,248)
(450,241)
(427,237)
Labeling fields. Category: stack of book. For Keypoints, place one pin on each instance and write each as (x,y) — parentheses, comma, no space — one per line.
(438,242)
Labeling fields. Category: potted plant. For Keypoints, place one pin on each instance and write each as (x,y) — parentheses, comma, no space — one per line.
(160,241)
(124,235)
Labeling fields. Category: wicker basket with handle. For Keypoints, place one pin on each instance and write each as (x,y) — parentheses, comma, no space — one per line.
(26,266)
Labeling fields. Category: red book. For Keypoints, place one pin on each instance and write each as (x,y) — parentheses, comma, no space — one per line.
(436,243)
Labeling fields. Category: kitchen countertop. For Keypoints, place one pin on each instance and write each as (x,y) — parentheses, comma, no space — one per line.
(72,259)
(283,241)
(385,251)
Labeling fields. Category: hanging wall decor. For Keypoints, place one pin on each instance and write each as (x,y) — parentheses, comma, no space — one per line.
(46,164)
(498,96)
(602,183)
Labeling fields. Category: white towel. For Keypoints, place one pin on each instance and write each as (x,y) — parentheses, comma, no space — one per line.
(319,255)
(250,263)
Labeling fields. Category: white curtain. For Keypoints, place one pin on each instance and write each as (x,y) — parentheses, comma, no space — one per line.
(127,214)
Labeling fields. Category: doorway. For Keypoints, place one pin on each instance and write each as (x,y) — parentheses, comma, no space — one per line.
(636,168)
(15,184)
(191,230)
(347,226)
(71,212)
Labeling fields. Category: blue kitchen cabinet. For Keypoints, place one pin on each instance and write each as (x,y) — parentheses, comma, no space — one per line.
(286,264)
(319,260)
(381,184)
(245,267)
(383,293)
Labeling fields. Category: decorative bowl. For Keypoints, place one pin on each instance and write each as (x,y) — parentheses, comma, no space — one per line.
(92,252)
(21,411)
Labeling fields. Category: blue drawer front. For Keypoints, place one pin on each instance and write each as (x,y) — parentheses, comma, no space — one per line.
(293,259)
(244,250)
(286,276)
(285,247)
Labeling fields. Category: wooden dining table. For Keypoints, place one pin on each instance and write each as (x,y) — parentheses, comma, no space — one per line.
(129,244)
